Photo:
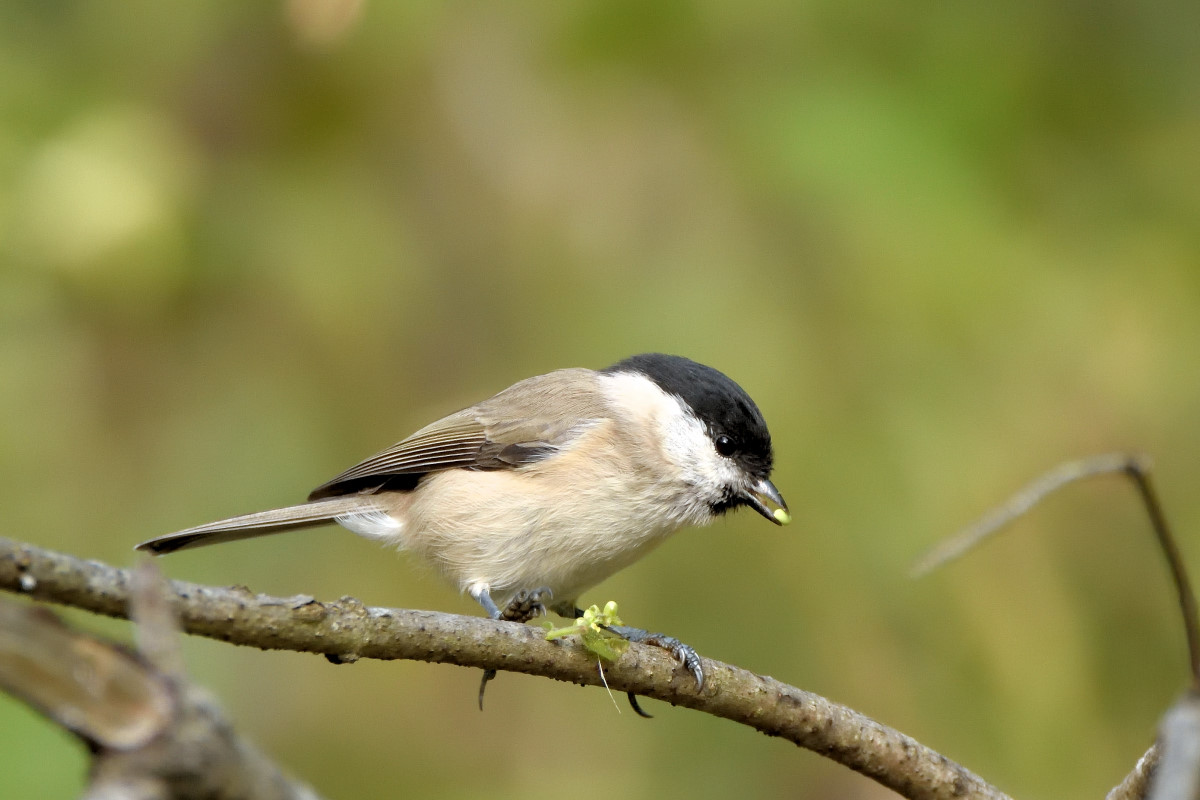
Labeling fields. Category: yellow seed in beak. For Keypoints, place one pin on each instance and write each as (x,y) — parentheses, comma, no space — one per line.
(781,516)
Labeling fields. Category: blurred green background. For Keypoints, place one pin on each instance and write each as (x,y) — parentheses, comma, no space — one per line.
(945,246)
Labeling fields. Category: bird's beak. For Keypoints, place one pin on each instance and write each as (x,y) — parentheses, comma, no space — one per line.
(764,498)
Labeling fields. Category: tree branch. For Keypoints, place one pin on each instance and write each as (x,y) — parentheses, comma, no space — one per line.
(152,734)
(347,630)
(1171,766)
(1136,784)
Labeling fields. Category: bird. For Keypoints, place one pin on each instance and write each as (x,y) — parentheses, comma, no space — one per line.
(529,498)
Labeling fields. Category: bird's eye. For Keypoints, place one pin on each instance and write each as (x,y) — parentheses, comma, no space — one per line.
(725,445)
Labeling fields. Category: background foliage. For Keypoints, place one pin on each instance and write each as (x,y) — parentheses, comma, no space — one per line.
(943,245)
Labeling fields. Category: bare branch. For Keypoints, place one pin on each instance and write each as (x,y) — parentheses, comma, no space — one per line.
(1018,505)
(1137,783)
(152,736)
(1137,469)
(1169,769)
(1177,776)
(347,630)
(104,695)
(152,613)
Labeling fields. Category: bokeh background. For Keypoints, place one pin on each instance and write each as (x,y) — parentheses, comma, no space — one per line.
(944,245)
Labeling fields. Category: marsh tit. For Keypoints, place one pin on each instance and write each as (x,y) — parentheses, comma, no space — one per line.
(547,488)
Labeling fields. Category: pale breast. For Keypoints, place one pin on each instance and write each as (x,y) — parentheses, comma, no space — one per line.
(566,522)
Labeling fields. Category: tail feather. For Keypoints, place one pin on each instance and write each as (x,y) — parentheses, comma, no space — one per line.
(262,523)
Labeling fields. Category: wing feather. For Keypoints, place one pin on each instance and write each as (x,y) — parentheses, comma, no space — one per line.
(506,431)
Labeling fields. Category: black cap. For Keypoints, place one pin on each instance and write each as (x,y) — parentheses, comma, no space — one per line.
(718,402)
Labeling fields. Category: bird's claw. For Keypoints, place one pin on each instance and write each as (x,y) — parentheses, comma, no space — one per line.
(683,653)
(524,606)
(637,709)
(488,674)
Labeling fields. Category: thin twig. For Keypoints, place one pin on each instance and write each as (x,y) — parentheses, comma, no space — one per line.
(1138,469)
(1168,770)
(1018,505)
(1140,472)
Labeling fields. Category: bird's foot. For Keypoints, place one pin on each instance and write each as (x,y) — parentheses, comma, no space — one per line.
(682,652)
(527,604)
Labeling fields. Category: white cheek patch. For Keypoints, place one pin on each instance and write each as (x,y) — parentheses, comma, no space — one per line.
(682,437)
(686,443)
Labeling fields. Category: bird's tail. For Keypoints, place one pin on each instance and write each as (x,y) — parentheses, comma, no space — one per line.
(263,523)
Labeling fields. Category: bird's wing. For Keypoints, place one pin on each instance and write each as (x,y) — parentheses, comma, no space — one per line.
(509,430)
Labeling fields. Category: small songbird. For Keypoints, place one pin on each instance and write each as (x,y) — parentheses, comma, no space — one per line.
(542,491)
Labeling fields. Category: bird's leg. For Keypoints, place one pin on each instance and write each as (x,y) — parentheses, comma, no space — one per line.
(482,594)
(524,606)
